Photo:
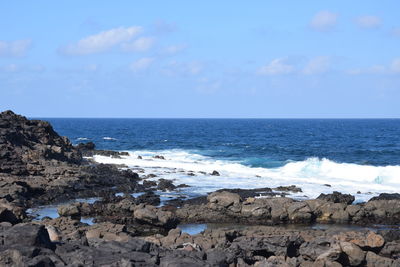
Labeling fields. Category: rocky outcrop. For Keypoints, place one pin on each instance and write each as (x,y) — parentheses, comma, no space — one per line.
(26,144)
(39,166)
(227,207)
(337,197)
(108,244)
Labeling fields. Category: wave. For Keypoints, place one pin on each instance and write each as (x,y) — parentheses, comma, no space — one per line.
(313,175)
(82,138)
(109,138)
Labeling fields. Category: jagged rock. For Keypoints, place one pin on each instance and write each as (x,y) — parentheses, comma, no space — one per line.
(24,142)
(354,253)
(365,240)
(291,188)
(154,216)
(218,200)
(215,173)
(386,196)
(165,185)
(28,235)
(337,197)
(148,198)
(375,260)
(69,210)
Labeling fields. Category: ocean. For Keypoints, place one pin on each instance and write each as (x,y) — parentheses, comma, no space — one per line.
(356,156)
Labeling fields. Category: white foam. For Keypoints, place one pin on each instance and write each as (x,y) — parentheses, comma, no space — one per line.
(82,138)
(311,175)
(109,138)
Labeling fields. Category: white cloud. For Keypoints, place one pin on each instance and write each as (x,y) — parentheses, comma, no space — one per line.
(139,45)
(276,67)
(141,64)
(317,65)
(173,49)
(368,22)
(392,68)
(324,21)
(376,69)
(395,66)
(102,41)
(16,48)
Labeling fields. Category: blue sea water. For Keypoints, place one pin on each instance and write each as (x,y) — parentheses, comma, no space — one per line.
(351,155)
(255,142)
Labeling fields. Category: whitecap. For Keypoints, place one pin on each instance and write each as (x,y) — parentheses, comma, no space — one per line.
(109,138)
(311,175)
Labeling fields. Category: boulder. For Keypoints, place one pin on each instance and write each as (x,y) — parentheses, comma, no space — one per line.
(165,185)
(337,197)
(69,211)
(215,173)
(366,240)
(224,200)
(28,235)
(353,252)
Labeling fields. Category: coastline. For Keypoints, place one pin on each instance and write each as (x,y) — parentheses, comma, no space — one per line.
(38,167)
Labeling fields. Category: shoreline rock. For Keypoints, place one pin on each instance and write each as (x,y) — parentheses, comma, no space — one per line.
(37,166)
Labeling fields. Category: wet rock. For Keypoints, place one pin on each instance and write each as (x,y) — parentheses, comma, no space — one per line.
(86,146)
(386,196)
(165,185)
(154,216)
(148,198)
(291,188)
(159,157)
(337,197)
(215,173)
(148,184)
(69,211)
(246,193)
(182,186)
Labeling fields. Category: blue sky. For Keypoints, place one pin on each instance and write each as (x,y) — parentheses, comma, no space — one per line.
(258,59)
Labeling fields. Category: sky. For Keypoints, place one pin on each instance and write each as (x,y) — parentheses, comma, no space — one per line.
(201,59)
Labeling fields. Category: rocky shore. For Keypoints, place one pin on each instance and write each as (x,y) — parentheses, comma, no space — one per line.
(39,167)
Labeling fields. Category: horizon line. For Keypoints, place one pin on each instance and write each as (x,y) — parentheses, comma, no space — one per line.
(227,118)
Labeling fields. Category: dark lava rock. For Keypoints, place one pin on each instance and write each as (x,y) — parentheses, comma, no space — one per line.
(86,146)
(386,196)
(26,235)
(165,185)
(215,173)
(337,197)
(148,198)
(291,188)
(24,144)
(148,184)
(245,193)
(159,157)
(182,186)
